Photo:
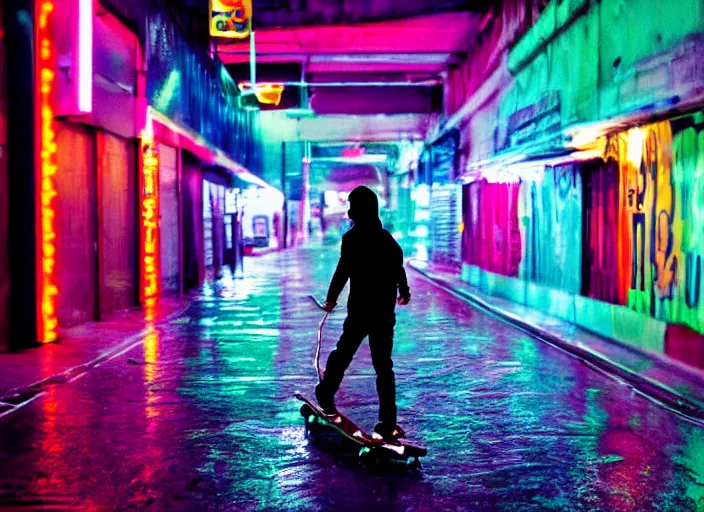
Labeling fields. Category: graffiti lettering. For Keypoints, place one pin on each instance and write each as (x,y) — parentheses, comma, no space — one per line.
(659,168)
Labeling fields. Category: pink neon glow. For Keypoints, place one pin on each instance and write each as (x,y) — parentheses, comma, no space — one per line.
(85,55)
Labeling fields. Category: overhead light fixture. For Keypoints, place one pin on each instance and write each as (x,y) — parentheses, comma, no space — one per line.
(267,93)
(362,159)
(300,112)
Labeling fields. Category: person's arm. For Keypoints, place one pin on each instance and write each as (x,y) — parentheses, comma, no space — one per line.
(404,292)
(339,278)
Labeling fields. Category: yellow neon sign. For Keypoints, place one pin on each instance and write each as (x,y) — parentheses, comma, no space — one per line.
(267,93)
(149,232)
(48,292)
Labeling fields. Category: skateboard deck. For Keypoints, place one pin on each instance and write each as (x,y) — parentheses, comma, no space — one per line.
(370,445)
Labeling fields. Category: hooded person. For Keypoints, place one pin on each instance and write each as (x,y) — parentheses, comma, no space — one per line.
(372,261)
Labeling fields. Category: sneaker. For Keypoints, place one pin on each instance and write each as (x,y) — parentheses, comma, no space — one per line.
(389,433)
(327,403)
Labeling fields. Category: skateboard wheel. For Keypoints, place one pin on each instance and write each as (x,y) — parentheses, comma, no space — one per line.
(306,411)
(367,456)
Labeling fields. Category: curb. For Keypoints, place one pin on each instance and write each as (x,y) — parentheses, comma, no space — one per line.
(649,388)
(14,399)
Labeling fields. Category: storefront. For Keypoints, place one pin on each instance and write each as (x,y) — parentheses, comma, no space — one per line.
(96,182)
(214,226)
(71,199)
(262,218)
(192,223)
(104,207)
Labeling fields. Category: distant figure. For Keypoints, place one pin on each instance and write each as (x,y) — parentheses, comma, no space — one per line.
(373,262)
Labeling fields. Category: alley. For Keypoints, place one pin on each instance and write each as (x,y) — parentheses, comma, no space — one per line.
(201,416)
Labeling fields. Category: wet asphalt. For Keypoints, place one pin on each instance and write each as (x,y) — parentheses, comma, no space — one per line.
(201,416)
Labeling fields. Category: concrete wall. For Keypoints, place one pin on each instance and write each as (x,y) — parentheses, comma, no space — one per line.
(581,62)
(606,58)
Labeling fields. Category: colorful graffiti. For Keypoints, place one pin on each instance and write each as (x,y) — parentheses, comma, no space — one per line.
(492,238)
(550,209)
(688,176)
(529,228)
(627,229)
(662,176)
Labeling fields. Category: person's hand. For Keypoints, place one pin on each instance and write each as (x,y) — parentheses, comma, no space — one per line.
(402,301)
(329,306)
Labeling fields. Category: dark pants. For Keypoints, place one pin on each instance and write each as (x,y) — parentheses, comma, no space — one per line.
(381,339)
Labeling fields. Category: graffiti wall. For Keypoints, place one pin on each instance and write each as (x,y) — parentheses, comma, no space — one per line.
(663,207)
(550,209)
(529,228)
(491,228)
(626,229)
(643,211)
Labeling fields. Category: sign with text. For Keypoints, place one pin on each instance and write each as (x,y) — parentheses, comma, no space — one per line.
(230,18)
(149,232)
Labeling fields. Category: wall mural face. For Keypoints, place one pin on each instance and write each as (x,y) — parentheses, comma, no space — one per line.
(627,229)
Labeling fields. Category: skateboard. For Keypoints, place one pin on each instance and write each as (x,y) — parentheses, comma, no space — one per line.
(372,447)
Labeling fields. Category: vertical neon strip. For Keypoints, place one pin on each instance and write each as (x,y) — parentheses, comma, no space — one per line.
(85,55)
(149,229)
(46,171)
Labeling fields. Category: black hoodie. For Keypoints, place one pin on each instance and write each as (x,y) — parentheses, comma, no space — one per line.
(371,259)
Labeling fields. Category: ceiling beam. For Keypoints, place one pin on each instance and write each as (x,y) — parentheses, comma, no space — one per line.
(282,13)
(439,33)
(241,55)
(370,128)
(424,63)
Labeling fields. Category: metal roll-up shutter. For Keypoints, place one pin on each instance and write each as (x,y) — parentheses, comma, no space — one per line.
(445,202)
(445,219)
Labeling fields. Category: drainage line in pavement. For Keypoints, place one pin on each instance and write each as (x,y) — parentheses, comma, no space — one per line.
(644,386)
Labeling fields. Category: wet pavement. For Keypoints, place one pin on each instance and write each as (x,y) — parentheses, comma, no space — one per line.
(201,416)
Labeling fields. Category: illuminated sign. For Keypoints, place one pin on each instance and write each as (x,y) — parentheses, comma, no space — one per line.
(230,18)
(85,56)
(149,232)
(48,292)
(73,45)
(269,94)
